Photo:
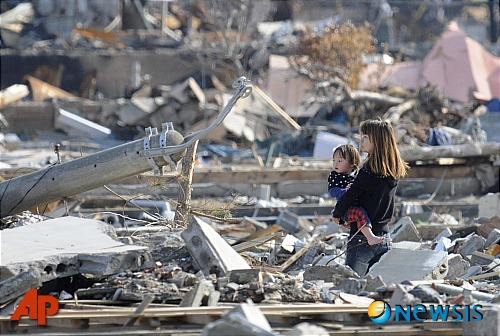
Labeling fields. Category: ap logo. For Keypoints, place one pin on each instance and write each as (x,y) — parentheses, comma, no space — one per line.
(37,307)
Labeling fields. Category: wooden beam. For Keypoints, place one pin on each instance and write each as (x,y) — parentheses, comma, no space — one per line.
(258,175)
(148,298)
(299,254)
(185,184)
(276,107)
(248,245)
(457,151)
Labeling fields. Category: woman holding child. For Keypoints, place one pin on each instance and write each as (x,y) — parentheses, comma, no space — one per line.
(373,189)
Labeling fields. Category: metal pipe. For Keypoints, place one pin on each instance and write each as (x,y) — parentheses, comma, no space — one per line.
(458,290)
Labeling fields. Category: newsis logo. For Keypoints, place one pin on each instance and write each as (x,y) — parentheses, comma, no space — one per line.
(380,312)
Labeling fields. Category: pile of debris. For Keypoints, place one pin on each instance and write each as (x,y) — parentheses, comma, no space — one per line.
(290,262)
(245,274)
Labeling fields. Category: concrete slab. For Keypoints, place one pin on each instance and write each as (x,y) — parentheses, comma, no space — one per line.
(351,285)
(402,297)
(289,221)
(481,259)
(408,245)
(372,283)
(211,253)
(398,265)
(472,271)
(244,276)
(493,238)
(489,205)
(203,291)
(472,244)
(288,243)
(39,252)
(457,266)
(404,230)
(488,225)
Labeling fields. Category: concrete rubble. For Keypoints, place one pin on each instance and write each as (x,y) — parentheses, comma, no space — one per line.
(60,248)
(171,271)
(211,253)
(257,253)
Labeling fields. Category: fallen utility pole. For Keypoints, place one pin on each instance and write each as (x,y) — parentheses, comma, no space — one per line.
(155,152)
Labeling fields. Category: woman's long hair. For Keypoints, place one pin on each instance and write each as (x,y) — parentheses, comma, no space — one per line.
(385,158)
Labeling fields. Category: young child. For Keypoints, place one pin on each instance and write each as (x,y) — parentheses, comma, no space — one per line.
(345,163)
(374,189)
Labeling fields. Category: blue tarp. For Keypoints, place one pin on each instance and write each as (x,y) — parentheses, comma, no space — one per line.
(439,137)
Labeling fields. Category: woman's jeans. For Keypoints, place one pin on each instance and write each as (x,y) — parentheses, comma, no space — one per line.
(360,256)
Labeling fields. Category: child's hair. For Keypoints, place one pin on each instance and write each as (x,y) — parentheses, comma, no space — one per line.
(349,153)
(385,158)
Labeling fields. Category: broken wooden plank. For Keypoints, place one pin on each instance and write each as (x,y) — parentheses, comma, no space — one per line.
(42,91)
(484,276)
(12,94)
(257,175)
(261,233)
(148,298)
(299,254)
(456,151)
(185,181)
(276,107)
(245,246)
(327,315)
(49,74)
(93,33)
